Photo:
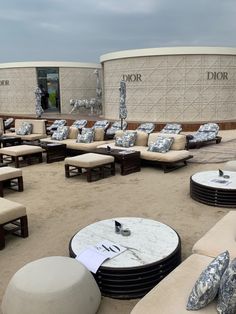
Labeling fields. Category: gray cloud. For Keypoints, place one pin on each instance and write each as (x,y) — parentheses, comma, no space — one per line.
(82,30)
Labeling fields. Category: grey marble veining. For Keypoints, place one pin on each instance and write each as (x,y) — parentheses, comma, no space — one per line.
(149,242)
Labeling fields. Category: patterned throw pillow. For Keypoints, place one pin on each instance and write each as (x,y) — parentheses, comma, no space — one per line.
(25,129)
(61,133)
(162,144)
(227,292)
(127,140)
(208,283)
(86,136)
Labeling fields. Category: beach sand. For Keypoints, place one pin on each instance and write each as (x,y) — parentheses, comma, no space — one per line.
(58,207)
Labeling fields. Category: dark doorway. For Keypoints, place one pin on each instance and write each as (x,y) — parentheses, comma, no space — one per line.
(48,81)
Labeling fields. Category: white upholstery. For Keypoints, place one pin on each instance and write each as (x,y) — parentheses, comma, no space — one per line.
(219,238)
(10,210)
(52,285)
(20,150)
(38,131)
(171,294)
(7,173)
(88,160)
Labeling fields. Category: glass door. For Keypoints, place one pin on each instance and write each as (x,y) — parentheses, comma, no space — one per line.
(48,81)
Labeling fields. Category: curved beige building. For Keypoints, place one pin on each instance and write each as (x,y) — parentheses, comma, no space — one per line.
(172,84)
(60,80)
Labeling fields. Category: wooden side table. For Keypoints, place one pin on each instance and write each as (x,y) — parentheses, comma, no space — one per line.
(54,151)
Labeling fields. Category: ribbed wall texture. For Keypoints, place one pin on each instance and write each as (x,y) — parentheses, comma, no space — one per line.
(173,87)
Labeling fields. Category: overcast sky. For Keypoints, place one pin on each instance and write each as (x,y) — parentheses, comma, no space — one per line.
(83,30)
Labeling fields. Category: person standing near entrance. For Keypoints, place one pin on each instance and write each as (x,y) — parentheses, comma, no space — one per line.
(44,97)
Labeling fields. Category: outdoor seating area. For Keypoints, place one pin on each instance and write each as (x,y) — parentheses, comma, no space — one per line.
(75,155)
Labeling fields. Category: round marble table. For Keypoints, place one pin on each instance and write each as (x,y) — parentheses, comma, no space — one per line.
(153,251)
(209,188)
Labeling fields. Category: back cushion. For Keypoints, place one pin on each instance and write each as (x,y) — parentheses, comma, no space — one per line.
(39,126)
(178,144)
(141,139)
(73,133)
(99,134)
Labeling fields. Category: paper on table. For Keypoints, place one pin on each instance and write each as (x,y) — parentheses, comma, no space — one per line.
(94,256)
(91,259)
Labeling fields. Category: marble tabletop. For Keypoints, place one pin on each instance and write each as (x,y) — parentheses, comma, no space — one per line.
(150,241)
(212,179)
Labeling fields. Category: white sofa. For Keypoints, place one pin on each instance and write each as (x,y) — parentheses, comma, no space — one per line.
(175,158)
(74,148)
(38,131)
(171,294)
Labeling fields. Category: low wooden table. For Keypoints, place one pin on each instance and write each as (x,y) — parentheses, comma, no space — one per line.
(129,160)
(54,151)
(153,251)
(209,188)
(10,141)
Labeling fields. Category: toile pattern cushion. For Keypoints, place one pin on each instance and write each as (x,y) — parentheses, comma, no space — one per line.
(162,145)
(61,133)
(25,129)
(227,293)
(172,128)
(147,127)
(208,283)
(127,140)
(86,136)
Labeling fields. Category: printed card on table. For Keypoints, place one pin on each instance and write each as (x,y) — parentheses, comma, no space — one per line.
(93,256)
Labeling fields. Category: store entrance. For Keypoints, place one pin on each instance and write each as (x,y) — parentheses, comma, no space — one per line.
(48,81)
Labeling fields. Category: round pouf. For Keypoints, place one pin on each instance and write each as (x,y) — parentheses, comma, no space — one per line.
(230,165)
(52,285)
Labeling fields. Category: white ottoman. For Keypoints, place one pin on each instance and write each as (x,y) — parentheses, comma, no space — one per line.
(13,219)
(25,151)
(230,165)
(9,174)
(52,285)
(91,163)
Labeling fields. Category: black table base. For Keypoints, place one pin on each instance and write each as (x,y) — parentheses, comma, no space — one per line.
(134,282)
(219,197)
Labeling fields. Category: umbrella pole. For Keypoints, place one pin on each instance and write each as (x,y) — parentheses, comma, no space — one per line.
(121,124)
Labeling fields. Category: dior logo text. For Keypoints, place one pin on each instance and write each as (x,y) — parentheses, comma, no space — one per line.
(217,75)
(4,82)
(132,77)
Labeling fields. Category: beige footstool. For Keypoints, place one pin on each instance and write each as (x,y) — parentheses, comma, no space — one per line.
(55,284)
(91,163)
(230,165)
(8,174)
(14,215)
(25,151)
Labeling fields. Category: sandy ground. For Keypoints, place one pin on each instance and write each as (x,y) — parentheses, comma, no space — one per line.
(58,207)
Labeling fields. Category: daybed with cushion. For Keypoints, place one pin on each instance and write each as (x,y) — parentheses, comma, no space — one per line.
(55,125)
(79,124)
(29,129)
(205,280)
(77,143)
(206,134)
(170,158)
(172,128)
(147,127)
(116,126)
(104,124)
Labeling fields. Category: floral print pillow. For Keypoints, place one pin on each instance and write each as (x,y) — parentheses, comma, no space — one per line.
(162,145)
(86,136)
